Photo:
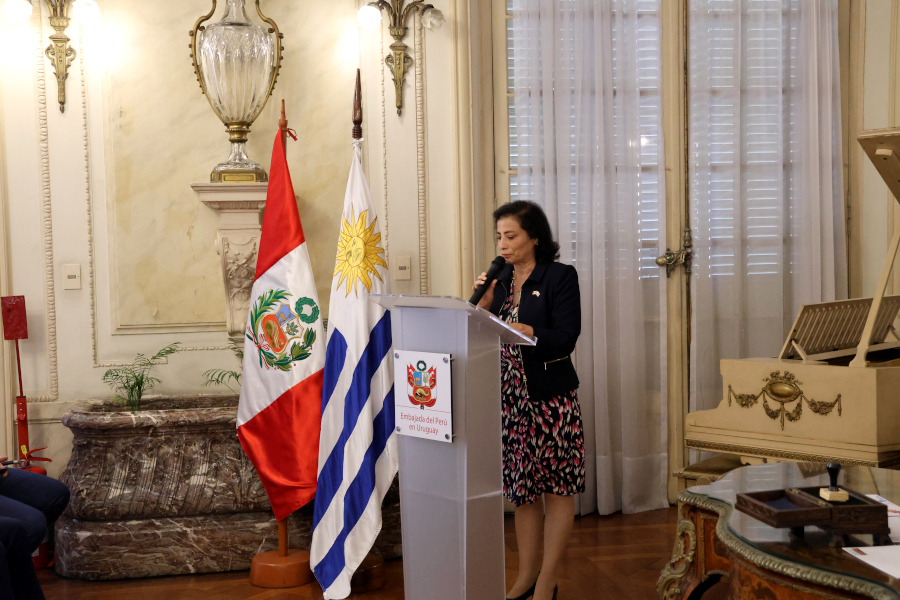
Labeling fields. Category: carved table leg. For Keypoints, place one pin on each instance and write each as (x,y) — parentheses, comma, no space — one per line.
(670,580)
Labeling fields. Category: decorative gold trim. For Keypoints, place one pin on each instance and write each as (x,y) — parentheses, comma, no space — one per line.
(701,550)
(669,583)
(789,584)
(780,566)
(384,163)
(784,389)
(787,455)
(421,173)
(398,61)
(59,50)
(47,231)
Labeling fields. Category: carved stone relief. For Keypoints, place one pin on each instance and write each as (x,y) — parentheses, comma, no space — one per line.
(237,243)
(239,268)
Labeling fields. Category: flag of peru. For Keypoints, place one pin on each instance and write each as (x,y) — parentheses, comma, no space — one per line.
(279,414)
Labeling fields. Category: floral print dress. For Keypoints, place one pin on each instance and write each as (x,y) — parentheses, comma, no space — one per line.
(543,441)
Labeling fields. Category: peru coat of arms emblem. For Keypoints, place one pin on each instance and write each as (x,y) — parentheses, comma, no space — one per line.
(278,330)
(422,380)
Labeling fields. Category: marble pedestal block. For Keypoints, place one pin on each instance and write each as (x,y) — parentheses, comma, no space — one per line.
(168,490)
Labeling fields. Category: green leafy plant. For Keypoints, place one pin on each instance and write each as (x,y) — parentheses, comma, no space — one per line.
(131,382)
(223,376)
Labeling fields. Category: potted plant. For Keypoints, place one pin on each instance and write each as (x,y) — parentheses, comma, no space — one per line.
(130,382)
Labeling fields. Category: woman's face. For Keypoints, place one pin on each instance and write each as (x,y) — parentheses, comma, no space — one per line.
(513,243)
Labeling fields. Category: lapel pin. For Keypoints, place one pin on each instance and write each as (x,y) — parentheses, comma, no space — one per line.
(536,293)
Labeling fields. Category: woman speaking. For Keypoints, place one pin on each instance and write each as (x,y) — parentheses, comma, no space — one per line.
(543,442)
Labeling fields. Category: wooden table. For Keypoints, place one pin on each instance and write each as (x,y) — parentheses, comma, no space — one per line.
(747,559)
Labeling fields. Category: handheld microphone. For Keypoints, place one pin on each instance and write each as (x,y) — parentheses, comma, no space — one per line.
(492,273)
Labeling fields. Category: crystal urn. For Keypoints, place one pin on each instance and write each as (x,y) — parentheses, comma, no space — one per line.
(237,64)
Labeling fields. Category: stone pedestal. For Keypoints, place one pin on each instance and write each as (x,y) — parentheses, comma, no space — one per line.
(168,490)
(240,221)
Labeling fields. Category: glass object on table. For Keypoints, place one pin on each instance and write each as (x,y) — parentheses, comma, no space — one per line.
(237,62)
(813,550)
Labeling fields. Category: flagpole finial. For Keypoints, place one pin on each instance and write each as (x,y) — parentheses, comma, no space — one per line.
(283,125)
(357,109)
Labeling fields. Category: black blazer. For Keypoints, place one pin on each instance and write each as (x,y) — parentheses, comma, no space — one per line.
(551,304)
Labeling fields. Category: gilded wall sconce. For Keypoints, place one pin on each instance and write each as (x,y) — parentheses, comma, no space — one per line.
(59,50)
(398,61)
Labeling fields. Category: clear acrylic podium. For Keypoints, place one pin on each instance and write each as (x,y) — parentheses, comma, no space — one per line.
(451,494)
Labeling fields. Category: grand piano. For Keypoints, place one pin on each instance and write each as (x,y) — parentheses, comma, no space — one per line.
(833,392)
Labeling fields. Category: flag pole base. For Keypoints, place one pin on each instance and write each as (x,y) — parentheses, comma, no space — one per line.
(271,570)
(369,576)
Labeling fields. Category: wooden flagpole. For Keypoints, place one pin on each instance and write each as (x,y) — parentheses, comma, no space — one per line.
(282,568)
(369,575)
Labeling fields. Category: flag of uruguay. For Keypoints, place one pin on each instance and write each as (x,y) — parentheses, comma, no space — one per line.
(357,448)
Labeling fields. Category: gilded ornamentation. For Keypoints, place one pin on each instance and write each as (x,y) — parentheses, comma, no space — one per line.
(52,393)
(786,455)
(783,390)
(398,60)
(787,584)
(422,189)
(60,52)
(775,565)
(669,583)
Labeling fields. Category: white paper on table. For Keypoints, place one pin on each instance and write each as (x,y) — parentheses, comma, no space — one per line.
(883,558)
(893,516)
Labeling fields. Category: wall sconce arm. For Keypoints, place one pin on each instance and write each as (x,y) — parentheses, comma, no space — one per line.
(398,61)
(59,50)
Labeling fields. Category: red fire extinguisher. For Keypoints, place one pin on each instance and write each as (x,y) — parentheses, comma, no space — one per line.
(15,328)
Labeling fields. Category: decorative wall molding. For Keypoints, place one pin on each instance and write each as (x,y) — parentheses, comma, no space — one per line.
(384,220)
(202,349)
(92,301)
(418,44)
(227,203)
(52,393)
(90,215)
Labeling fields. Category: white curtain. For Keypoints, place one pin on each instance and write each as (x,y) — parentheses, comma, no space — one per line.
(766,190)
(587,125)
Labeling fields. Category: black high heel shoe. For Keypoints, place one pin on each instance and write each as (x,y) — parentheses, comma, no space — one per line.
(555,589)
(528,593)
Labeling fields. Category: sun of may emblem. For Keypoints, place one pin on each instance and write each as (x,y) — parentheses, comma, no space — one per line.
(358,250)
(278,331)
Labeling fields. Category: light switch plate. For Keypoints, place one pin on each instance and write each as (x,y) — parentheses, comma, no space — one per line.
(402,269)
(71,277)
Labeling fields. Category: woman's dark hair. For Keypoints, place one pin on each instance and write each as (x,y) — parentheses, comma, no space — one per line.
(532,219)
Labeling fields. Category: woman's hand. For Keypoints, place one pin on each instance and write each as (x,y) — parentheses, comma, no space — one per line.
(488,297)
(523,328)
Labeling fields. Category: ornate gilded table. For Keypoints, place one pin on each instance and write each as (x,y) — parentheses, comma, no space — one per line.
(717,547)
